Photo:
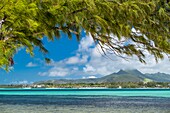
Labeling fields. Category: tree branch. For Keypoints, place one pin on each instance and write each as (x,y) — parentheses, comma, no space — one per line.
(77,11)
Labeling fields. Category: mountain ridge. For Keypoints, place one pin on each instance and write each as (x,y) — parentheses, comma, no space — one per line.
(121,76)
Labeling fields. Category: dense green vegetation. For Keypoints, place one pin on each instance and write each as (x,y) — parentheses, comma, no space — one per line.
(12,86)
(23,23)
(95,85)
(113,85)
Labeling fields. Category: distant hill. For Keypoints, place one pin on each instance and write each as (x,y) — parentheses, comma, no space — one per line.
(159,77)
(121,76)
(124,76)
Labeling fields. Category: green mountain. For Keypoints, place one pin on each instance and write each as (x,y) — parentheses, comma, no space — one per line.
(124,76)
(121,76)
(159,77)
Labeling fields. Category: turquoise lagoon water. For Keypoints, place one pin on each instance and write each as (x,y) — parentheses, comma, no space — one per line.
(84,100)
(96,92)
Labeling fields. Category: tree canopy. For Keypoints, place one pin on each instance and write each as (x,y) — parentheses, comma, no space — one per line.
(24,23)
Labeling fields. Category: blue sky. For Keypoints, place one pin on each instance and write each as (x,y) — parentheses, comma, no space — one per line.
(71,60)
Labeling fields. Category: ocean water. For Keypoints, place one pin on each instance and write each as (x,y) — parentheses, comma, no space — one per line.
(84,100)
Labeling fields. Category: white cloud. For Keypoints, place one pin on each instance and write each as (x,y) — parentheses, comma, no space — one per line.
(57,71)
(92,77)
(42,73)
(77,59)
(89,77)
(75,68)
(83,77)
(72,60)
(21,82)
(86,43)
(89,61)
(88,68)
(30,64)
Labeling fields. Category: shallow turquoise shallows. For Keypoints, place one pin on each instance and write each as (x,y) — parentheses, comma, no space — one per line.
(104,92)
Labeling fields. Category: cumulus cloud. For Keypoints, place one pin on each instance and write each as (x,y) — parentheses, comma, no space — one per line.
(86,43)
(31,64)
(72,60)
(89,61)
(77,59)
(56,71)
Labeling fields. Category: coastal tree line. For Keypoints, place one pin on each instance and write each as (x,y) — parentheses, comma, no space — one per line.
(111,85)
(92,85)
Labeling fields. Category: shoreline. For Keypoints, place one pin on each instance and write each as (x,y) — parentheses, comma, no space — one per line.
(87,88)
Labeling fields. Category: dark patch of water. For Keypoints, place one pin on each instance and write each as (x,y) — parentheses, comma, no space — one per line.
(96,101)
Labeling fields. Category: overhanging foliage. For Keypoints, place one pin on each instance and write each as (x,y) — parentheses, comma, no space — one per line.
(23,23)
